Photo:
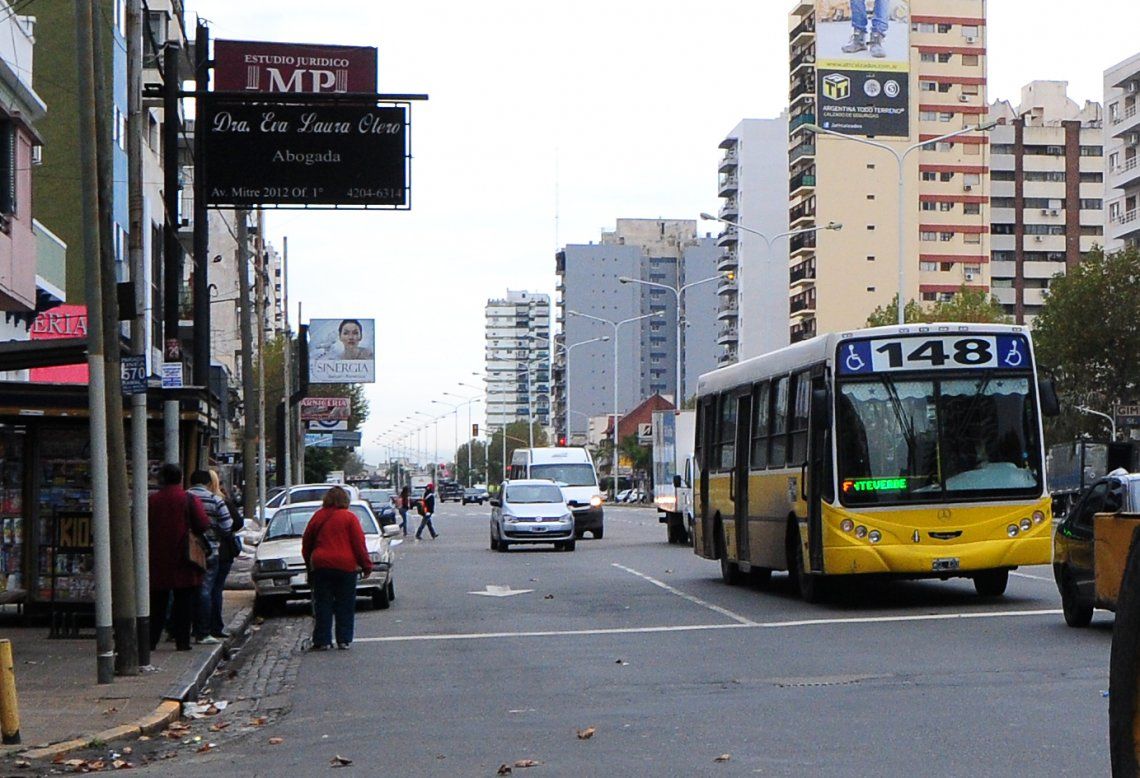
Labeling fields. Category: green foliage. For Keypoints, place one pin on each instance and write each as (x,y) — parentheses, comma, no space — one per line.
(517,437)
(478,462)
(1087,336)
(967,305)
(640,457)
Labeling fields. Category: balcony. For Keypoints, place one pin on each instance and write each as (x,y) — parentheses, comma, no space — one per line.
(1126,125)
(729,237)
(801,242)
(727,335)
(801,151)
(730,208)
(802,330)
(803,58)
(803,86)
(1125,175)
(729,160)
(729,183)
(1130,220)
(803,212)
(800,120)
(803,272)
(726,285)
(802,304)
(801,180)
(806,27)
(728,310)
(727,261)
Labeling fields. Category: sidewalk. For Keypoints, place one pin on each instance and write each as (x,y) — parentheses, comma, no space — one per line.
(60,701)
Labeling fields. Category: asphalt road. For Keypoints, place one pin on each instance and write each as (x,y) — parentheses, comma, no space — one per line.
(641,642)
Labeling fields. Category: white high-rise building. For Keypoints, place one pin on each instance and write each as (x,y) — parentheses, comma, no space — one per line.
(518,358)
(1122,154)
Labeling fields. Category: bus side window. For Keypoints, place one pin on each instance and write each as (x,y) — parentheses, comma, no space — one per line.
(760,410)
(777,443)
(801,388)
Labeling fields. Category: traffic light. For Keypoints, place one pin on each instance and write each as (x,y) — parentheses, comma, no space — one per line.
(474,430)
(562,441)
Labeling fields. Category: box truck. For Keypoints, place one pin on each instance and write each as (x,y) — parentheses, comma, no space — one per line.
(673,438)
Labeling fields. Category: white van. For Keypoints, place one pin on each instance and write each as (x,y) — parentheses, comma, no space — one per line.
(573,469)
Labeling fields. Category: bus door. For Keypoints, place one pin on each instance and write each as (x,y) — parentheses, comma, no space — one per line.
(818,475)
(740,474)
(706,427)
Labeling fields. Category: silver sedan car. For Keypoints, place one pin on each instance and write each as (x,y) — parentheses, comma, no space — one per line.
(531,511)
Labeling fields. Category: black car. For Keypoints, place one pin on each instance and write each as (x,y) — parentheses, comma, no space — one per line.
(475,494)
(450,490)
(381,502)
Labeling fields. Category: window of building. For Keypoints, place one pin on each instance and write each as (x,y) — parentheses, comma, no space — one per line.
(929,175)
(970,60)
(972,237)
(946,116)
(970,89)
(1092,151)
(927,235)
(927,206)
(944,57)
(971,149)
(927,116)
(945,207)
(944,88)
(946,176)
(927,56)
(945,237)
(8,144)
(927,86)
(970,30)
(971,209)
(1092,178)
(1001,228)
(922,27)
(945,27)
(928,297)
(928,266)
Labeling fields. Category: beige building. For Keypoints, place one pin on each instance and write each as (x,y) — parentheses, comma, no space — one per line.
(937,51)
(1047,192)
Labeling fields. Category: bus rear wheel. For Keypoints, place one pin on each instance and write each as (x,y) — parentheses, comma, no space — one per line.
(991,583)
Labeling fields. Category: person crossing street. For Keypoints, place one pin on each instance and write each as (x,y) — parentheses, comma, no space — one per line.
(427,508)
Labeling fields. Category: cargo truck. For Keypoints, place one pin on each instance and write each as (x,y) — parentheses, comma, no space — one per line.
(673,437)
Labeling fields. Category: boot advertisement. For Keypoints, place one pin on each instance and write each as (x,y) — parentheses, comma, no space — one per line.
(862,52)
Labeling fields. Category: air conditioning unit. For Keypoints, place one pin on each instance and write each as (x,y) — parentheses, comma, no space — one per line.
(1044,211)
(971,39)
(1054,212)
(963,98)
(969,276)
(967,187)
(1038,238)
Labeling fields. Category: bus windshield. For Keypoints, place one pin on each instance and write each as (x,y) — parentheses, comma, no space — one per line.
(937,440)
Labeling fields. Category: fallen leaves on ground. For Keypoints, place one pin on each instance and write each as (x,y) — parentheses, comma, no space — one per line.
(723,758)
(219,726)
(339,761)
(110,710)
(206,747)
(258,721)
(587,733)
(276,741)
(548,597)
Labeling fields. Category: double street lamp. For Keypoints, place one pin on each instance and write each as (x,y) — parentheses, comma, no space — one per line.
(616,327)
(899,157)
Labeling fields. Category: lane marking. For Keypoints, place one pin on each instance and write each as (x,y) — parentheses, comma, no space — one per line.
(696,600)
(1034,577)
(709,627)
(493,590)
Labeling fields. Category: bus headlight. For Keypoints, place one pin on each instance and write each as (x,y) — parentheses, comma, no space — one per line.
(1038,517)
(1012,530)
(860,532)
(1026,525)
(847,525)
(874,536)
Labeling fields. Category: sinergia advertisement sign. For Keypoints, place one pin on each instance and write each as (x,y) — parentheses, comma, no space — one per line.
(342,351)
(862,52)
(266,66)
(285,153)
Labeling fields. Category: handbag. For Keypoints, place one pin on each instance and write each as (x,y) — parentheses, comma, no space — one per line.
(197,550)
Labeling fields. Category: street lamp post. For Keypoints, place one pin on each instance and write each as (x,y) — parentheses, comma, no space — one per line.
(568,349)
(616,326)
(899,158)
(679,388)
(468,402)
(1111,420)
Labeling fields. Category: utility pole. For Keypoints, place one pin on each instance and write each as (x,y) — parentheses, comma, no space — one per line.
(172,247)
(122,547)
(140,534)
(286,394)
(201,233)
(248,389)
(259,308)
(97,402)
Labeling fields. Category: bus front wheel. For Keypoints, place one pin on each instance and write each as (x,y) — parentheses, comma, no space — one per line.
(812,588)
(991,583)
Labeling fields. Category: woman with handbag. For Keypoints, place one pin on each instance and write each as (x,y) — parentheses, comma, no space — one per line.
(177,525)
(336,556)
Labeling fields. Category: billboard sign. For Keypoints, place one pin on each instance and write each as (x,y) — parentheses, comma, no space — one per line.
(862,50)
(325,408)
(298,154)
(63,321)
(266,66)
(332,439)
(342,351)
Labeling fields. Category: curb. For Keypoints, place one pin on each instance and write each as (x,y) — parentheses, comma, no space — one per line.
(169,710)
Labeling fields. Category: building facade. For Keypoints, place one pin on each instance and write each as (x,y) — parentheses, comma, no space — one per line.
(837,278)
(664,255)
(752,311)
(1121,148)
(517,359)
(1047,193)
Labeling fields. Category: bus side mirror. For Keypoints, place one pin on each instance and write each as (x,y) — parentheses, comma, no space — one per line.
(820,408)
(1050,405)
(677,482)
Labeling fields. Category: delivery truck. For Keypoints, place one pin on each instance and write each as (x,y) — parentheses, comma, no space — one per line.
(673,437)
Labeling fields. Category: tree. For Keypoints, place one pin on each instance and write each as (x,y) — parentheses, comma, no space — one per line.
(478,462)
(1087,337)
(517,437)
(967,305)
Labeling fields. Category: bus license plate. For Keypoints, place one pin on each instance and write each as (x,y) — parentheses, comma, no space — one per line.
(941,565)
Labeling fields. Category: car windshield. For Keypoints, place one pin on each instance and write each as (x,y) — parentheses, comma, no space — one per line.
(577,474)
(533,493)
(290,521)
(937,440)
(376,495)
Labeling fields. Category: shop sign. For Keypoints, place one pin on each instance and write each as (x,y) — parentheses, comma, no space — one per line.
(325,408)
(269,66)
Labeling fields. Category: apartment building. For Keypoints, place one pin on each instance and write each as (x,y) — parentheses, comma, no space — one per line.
(929,82)
(1121,148)
(517,358)
(752,312)
(665,255)
(1047,192)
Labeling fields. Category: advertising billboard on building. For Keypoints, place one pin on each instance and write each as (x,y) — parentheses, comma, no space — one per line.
(342,351)
(267,66)
(61,322)
(326,408)
(862,60)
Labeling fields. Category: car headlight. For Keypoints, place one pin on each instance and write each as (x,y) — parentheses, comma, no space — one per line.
(566,517)
(509,519)
(270,565)
(596,501)
(375,557)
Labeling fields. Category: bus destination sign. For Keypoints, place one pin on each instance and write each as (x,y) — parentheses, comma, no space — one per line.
(932,352)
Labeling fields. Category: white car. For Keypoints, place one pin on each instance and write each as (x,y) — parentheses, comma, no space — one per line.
(279,571)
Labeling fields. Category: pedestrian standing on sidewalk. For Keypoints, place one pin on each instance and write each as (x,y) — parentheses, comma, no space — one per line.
(208,625)
(427,508)
(172,514)
(336,556)
(403,503)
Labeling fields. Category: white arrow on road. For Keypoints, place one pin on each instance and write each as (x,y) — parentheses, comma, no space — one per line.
(501,591)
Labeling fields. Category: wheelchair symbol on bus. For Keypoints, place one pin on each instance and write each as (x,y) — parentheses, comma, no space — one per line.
(1013,357)
(853,362)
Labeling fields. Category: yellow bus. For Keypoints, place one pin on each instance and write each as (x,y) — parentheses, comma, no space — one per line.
(912,451)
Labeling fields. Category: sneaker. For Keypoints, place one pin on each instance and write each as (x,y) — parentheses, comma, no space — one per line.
(209,640)
(343,646)
(323,647)
(856,44)
(877,46)
(220,635)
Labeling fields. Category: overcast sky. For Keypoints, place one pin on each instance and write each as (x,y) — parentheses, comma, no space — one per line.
(550,119)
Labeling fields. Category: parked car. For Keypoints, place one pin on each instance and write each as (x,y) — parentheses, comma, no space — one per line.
(302,493)
(531,511)
(450,490)
(279,571)
(381,502)
(1074,548)
(476,494)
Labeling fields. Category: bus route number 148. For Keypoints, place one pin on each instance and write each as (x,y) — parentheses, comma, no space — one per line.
(940,352)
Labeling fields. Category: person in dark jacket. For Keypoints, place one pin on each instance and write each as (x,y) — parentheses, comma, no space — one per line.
(335,554)
(428,508)
(172,515)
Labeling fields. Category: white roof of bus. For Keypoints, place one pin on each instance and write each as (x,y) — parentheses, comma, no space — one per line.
(819,348)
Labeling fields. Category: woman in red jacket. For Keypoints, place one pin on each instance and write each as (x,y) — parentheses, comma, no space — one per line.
(335,554)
